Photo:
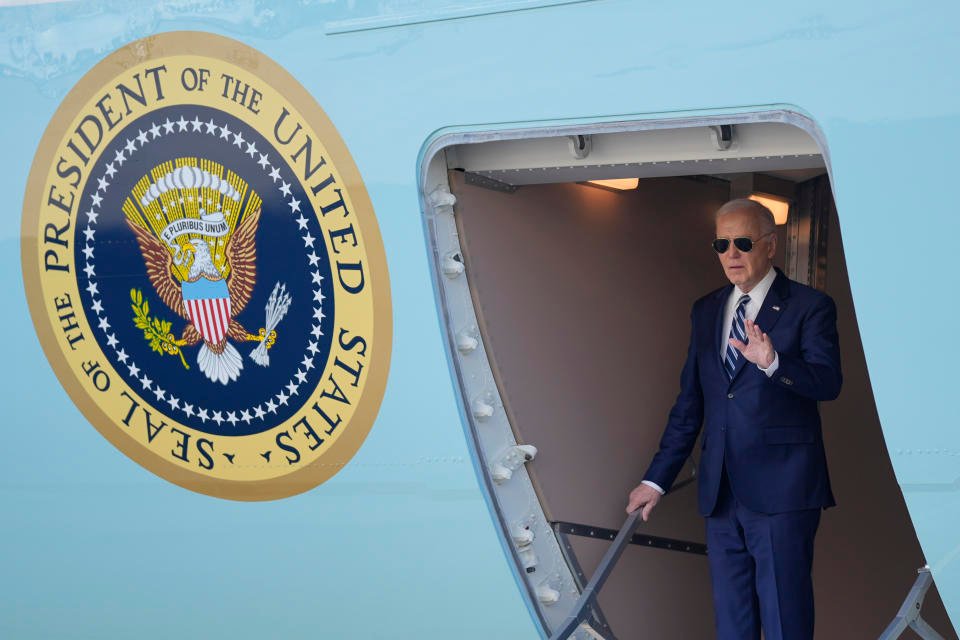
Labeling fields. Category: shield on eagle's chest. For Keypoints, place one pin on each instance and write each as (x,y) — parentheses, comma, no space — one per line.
(208,306)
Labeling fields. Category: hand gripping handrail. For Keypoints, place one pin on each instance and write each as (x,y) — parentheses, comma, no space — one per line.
(588,597)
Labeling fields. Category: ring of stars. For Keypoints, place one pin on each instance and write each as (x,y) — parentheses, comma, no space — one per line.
(149,386)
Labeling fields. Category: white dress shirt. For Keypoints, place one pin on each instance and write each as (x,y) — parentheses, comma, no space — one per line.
(757,296)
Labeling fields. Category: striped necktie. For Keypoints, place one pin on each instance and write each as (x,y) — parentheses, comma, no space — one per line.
(736,331)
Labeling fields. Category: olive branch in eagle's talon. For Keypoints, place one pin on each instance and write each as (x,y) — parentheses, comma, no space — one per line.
(155,331)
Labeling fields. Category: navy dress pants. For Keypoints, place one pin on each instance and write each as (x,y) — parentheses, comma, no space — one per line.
(760,567)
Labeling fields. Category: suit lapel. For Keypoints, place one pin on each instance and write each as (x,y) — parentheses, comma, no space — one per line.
(774,304)
(773,307)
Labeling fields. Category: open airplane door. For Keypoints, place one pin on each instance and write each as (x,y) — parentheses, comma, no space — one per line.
(566,306)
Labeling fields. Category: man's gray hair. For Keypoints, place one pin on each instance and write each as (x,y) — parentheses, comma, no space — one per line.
(760,213)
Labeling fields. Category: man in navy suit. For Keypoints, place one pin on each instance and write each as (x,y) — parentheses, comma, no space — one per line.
(763,351)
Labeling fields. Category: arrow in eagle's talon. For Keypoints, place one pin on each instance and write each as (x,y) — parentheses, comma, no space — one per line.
(277,306)
(262,336)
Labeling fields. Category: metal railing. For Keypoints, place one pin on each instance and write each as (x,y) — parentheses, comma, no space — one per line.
(909,613)
(582,611)
(586,611)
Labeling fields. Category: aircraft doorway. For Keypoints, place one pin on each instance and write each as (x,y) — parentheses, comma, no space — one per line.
(579,303)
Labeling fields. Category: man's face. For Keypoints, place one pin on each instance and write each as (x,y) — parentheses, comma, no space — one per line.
(745,269)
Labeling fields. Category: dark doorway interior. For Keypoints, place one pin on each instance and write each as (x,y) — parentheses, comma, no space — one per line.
(583,297)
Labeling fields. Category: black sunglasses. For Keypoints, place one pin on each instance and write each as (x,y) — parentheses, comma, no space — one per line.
(720,245)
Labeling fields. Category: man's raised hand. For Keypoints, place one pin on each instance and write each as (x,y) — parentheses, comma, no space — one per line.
(758,349)
(643,496)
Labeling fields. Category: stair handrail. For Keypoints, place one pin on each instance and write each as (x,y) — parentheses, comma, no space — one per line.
(581,611)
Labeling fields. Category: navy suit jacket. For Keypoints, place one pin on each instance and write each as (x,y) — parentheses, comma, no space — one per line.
(766,430)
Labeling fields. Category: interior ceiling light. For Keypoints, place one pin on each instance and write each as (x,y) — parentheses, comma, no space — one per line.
(779,206)
(623,184)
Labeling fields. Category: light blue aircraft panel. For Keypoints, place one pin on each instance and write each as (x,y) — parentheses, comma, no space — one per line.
(401,542)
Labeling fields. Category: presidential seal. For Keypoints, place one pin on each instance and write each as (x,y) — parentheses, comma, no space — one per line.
(205,271)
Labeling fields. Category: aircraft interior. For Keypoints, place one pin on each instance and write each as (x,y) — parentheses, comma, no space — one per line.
(580,296)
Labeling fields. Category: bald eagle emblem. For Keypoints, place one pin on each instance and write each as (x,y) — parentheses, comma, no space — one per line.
(196,227)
